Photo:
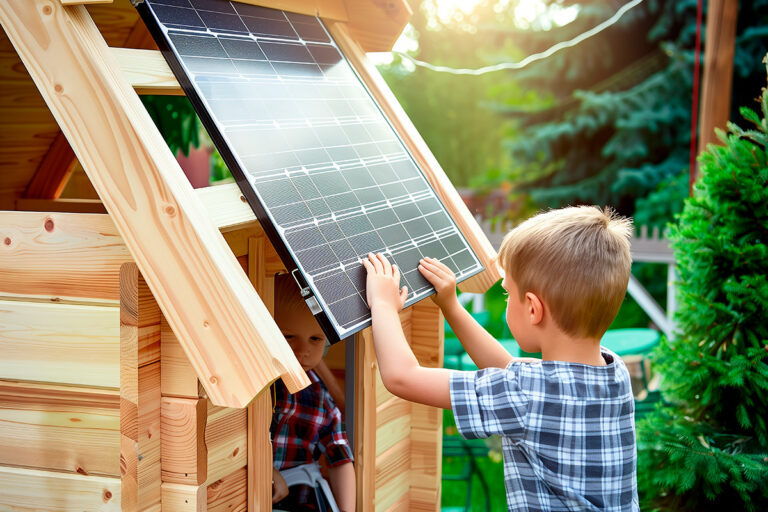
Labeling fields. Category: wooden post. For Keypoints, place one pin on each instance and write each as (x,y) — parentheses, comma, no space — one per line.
(719,47)
(139,393)
(365,419)
(427,331)
(260,411)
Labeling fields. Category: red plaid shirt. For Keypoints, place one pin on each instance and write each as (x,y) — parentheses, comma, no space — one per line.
(307,424)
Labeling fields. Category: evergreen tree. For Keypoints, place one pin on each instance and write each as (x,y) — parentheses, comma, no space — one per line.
(453,112)
(618,121)
(707,448)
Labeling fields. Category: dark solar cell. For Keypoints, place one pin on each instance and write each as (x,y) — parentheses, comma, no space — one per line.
(325,173)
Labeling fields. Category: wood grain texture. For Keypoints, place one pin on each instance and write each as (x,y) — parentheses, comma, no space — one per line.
(376,25)
(226,437)
(184,456)
(259,487)
(147,71)
(226,206)
(393,475)
(229,493)
(60,255)
(54,170)
(207,299)
(140,398)
(184,498)
(60,343)
(423,156)
(46,491)
(365,419)
(393,423)
(178,378)
(716,84)
(60,205)
(73,430)
(427,330)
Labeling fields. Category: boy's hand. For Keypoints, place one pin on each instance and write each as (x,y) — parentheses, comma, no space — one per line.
(279,486)
(383,282)
(442,278)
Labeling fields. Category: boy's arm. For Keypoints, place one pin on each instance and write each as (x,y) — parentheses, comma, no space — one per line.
(343,486)
(326,375)
(483,348)
(400,371)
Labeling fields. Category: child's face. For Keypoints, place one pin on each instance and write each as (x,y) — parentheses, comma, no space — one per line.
(302,333)
(518,317)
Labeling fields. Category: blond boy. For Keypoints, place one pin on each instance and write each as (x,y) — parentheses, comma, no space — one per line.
(566,420)
(307,423)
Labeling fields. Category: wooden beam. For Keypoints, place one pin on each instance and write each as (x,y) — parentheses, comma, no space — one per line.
(184,498)
(60,343)
(139,392)
(53,172)
(147,71)
(427,162)
(46,491)
(205,295)
(330,9)
(184,456)
(376,25)
(227,207)
(226,436)
(260,411)
(229,493)
(60,256)
(365,419)
(60,205)
(74,430)
(719,48)
(178,378)
(84,2)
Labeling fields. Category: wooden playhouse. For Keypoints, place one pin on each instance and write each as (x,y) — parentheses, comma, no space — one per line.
(136,346)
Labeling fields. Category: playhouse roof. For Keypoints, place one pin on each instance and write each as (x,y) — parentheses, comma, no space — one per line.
(226,330)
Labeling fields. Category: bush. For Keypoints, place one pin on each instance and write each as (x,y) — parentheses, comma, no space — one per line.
(707,448)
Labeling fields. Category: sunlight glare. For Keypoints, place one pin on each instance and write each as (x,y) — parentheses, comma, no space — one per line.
(448,9)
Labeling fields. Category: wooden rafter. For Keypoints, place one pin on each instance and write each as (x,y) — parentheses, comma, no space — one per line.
(53,172)
(227,333)
(426,160)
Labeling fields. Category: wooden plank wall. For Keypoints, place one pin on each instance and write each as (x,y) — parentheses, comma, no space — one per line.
(398,443)
(83,403)
(59,372)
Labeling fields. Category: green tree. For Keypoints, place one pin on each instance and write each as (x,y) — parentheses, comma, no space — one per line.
(617,125)
(175,119)
(453,112)
(707,449)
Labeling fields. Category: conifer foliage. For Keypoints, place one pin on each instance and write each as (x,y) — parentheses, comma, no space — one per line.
(707,448)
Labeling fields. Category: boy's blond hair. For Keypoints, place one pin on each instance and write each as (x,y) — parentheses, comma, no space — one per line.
(577,260)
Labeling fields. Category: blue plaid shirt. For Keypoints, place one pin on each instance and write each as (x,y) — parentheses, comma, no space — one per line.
(568,431)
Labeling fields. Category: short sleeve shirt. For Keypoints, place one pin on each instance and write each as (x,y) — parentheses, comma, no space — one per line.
(568,432)
(307,424)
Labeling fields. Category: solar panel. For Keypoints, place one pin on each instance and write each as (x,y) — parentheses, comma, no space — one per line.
(325,173)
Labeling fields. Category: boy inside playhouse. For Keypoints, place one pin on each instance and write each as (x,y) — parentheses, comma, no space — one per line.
(566,420)
(308,423)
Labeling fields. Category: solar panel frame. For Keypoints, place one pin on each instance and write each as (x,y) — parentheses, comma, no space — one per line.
(283,38)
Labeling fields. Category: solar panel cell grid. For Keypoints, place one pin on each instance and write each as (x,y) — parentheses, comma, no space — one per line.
(323,169)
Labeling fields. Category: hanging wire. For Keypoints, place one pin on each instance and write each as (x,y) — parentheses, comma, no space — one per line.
(531,58)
